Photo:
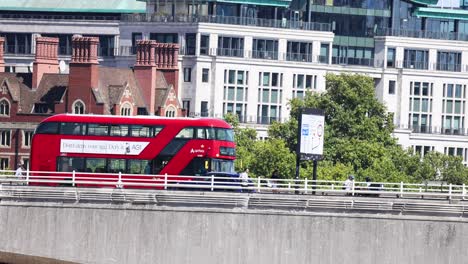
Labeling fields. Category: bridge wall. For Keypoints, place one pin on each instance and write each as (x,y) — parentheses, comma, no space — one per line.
(123,233)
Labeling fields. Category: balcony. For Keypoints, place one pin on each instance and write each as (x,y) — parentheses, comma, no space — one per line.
(37,16)
(18,50)
(299,57)
(262,54)
(357,61)
(421,34)
(435,130)
(230,52)
(230,20)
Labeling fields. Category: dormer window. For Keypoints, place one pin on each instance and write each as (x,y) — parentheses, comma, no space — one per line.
(4,108)
(126,109)
(78,107)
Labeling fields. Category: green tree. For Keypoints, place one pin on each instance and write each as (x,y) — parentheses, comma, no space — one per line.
(437,166)
(269,155)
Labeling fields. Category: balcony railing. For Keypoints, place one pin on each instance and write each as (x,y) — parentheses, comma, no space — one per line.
(357,61)
(263,54)
(448,67)
(299,57)
(230,52)
(419,65)
(230,20)
(435,130)
(421,34)
(18,16)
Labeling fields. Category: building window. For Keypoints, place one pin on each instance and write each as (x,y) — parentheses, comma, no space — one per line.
(27,138)
(420,107)
(186,107)
(449,61)
(204,44)
(190,43)
(4,108)
(270,97)
(324,50)
(235,95)
(299,51)
(5,138)
(135,37)
(265,49)
(453,108)
(78,107)
(303,83)
(204,108)
(165,37)
(126,109)
(205,75)
(171,111)
(230,47)
(416,59)
(391,87)
(391,57)
(4,163)
(422,150)
(187,74)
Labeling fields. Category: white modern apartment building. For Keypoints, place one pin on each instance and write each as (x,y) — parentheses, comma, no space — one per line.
(251,58)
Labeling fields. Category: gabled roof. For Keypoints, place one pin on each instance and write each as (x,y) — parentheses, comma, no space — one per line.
(81,6)
(19,90)
(112,84)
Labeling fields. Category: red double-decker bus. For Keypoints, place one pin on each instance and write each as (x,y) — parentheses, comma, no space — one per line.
(133,145)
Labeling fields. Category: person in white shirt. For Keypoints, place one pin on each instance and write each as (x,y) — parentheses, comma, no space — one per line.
(348,184)
(19,172)
(244,177)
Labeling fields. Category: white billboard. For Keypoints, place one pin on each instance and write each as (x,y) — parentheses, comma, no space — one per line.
(102,147)
(311,135)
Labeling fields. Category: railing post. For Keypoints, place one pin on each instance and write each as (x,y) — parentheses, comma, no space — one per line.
(73,178)
(259,184)
(165,181)
(463,192)
(401,189)
(450,192)
(119,183)
(27,176)
(212,182)
(352,188)
(305,186)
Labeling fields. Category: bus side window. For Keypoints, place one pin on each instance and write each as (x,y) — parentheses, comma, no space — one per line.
(98,130)
(69,164)
(201,133)
(186,133)
(47,128)
(119,130)
(72,129)
(96,165)
(140,131)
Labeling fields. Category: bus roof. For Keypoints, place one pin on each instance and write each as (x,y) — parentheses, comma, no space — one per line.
(138,120)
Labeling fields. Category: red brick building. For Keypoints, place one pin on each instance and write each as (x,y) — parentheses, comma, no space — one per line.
(27,98)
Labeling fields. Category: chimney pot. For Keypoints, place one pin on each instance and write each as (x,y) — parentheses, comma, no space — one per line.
(46,59)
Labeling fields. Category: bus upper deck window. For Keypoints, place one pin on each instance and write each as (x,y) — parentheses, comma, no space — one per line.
(72,129)
(185,133)
(98,130)
(47,128)
(119,130)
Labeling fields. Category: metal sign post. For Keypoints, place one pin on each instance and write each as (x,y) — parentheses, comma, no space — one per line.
(310,137)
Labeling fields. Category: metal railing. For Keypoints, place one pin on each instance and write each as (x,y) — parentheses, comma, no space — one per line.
(36,16)
(230,20)
(397,32)
(233,184)
(461,131)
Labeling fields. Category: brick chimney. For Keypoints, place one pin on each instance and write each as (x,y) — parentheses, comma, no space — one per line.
(145,71)
(2,61)
(84,72)
(46,60)
(167,56)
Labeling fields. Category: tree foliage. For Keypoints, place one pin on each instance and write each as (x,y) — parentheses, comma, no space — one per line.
(358,140)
